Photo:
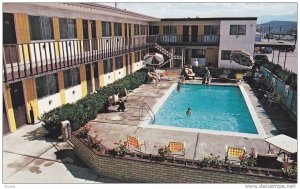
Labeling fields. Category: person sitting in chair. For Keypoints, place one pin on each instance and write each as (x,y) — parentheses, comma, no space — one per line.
(121,106)
(189,72)
(115,98)
(153,76)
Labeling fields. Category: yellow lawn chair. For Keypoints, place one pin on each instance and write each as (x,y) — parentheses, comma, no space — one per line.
(239,76)
(133,142)
(234,152)
(176,148)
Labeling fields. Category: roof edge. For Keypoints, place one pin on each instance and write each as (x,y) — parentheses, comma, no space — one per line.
(110,8)
(203,19)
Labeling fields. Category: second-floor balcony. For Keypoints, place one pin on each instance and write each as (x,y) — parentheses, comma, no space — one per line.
(38,58)
(186,40)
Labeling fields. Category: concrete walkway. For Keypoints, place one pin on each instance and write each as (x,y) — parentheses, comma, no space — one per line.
(28,157)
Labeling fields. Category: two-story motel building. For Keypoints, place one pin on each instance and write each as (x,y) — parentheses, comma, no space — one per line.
(57,53)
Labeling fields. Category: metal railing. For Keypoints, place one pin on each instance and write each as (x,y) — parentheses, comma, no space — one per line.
(148,109)
(36,58)
(209,40)
(288,96)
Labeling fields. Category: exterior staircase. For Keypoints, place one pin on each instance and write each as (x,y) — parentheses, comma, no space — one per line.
(167,54)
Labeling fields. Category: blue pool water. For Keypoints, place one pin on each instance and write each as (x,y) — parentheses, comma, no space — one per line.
(221,108)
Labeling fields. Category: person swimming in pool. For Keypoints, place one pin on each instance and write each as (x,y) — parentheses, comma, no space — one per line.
(189,112)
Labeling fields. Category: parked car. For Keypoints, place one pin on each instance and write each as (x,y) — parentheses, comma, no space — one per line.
(290,48)
(267,50)
(258,58)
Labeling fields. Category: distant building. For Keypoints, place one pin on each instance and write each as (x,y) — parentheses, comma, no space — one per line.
(258,37)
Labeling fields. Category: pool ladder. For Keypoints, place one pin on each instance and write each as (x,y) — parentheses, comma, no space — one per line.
(149,111)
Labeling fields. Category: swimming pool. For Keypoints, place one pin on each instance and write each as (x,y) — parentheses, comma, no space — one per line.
(219,108)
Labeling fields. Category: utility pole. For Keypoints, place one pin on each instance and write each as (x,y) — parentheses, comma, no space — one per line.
(261,28)
(280,33)
(269,33)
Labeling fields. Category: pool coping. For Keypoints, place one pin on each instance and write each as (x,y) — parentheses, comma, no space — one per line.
(259,128)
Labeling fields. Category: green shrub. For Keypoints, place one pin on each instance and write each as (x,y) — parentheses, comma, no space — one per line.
(287,77)
(216,72)
(87,108)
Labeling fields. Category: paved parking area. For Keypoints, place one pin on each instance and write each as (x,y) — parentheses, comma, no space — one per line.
(291,59)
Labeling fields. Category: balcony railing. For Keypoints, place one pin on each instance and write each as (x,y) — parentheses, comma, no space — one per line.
(209,40)
(26,60)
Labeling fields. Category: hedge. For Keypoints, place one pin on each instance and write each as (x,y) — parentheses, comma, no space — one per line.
(288,77)
(87,108)
(216,72)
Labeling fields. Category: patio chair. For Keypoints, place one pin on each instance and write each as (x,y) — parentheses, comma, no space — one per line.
(176,148)
(268,95)
(132,141)
(239,76)
(125,98)
(234,152)
(225,74)
(266,160)
(188,73)
(274,99)
(166,75)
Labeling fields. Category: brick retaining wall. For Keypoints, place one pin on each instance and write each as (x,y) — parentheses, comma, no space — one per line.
(144,171)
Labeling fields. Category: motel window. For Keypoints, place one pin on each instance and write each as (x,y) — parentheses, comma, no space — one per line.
(67,28)
(153,30)
(237,30)
(46,85)
(143,30)
(137,57)
(136,29)
(119,62)
(211,30)
(71,77)
(118,29)
(169,30)
(41,28)
(143,53)
(198,53)
(225,55)
(106,29)
(108,66)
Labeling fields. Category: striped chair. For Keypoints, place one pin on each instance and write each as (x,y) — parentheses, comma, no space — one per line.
(135,144)
(234,152)
(177,148)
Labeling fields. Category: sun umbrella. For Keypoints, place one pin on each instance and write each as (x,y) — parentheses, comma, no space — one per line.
(153,59)
(242,58)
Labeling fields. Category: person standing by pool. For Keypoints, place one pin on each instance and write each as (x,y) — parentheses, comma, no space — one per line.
(178,87)
(189,112)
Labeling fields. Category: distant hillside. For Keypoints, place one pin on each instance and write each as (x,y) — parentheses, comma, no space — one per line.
(287,27)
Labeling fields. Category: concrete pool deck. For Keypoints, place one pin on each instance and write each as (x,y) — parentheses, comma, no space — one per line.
(29,157)
(114,126)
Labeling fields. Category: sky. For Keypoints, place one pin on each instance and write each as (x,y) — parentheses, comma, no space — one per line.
(264,11)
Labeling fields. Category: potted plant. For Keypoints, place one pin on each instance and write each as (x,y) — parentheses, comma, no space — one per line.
(84,131)
(120,149)
(163,152)
(290,170)
(211,161)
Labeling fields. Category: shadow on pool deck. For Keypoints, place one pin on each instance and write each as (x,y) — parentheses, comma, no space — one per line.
(282,121)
